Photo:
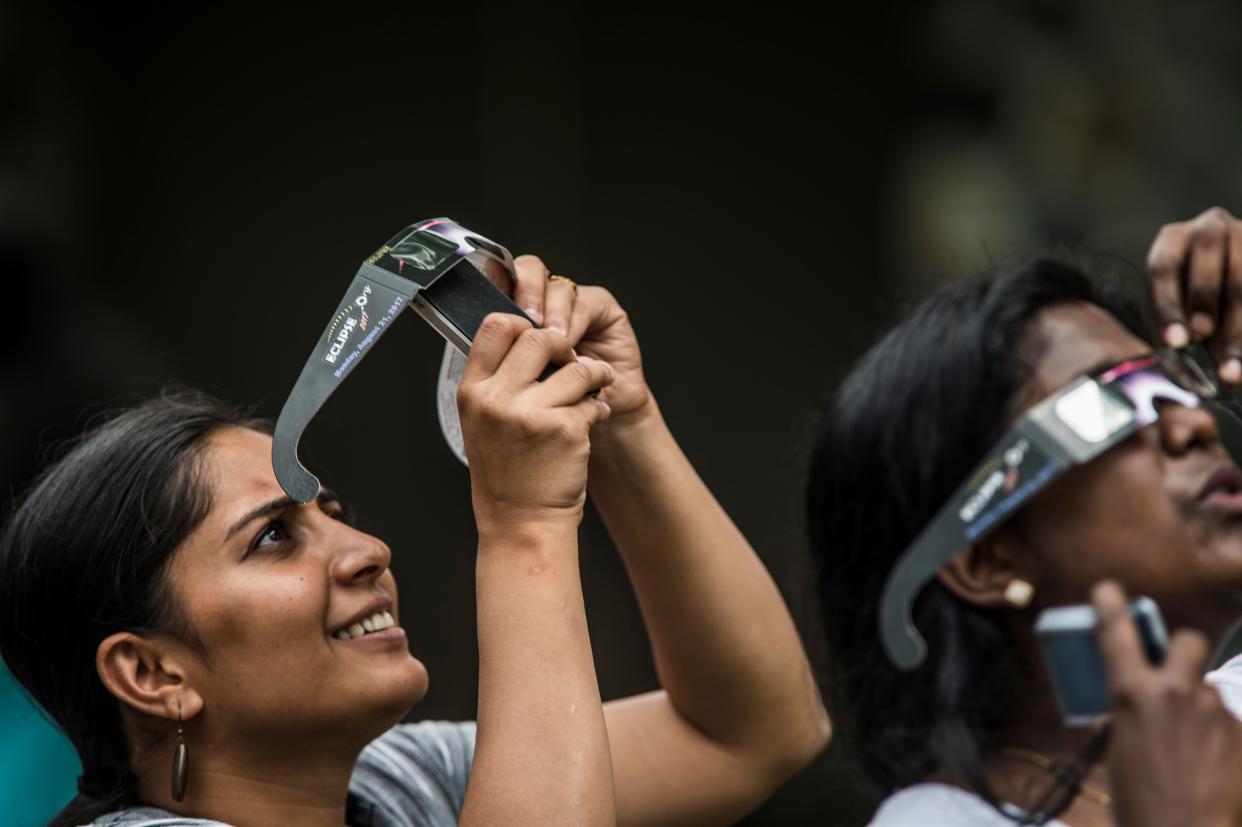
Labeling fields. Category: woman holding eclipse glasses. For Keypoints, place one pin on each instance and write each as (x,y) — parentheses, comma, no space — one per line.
(221,654)
(1023,441)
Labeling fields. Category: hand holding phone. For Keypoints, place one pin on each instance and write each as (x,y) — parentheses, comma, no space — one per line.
(1067,636)
(1175,752)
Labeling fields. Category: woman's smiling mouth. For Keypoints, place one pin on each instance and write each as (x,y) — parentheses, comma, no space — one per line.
(377,622)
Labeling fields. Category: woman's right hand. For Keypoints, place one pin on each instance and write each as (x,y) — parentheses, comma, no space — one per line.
(1175,753)
(536,760)
(527,441)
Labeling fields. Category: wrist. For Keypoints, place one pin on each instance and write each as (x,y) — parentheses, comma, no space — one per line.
(526,555)
(622,431)
(546,533)
(498,513)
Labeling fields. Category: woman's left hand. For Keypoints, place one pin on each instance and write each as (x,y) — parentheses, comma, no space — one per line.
(1195,271)
(595,325)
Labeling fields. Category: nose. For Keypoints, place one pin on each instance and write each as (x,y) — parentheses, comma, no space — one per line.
(1183,429)
(361,558)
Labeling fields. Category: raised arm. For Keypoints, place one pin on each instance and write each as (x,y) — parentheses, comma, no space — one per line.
(739,712)
(541,755)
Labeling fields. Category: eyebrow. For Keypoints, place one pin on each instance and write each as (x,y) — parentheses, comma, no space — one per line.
(326,495)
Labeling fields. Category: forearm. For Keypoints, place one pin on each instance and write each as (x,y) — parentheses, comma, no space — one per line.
(726,649)
(541,755)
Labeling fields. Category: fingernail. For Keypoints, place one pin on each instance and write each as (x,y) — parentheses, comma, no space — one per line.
(1175,335)
(535,315)
(1107,595)
(1202,324)
(1231,371)
(557,329)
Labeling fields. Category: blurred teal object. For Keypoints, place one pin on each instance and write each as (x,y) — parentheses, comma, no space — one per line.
(38,767)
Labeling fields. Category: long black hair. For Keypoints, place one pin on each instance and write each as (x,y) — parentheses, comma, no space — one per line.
(85,554)
(899,434)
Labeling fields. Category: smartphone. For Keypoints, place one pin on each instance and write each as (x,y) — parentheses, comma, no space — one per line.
(1066,635)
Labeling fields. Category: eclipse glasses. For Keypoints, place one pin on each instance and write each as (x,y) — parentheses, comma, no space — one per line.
(1071,427)
(437,268)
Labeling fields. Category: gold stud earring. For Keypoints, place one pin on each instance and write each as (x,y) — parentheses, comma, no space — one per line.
(181,762)
(1018,593)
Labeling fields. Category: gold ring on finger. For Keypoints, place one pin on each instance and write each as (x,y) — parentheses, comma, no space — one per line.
(567,280)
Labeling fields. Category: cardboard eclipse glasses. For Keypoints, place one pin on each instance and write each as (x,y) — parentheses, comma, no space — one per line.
(1071,427)
(436,267)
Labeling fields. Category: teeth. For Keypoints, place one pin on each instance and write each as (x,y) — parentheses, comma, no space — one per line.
(377,622)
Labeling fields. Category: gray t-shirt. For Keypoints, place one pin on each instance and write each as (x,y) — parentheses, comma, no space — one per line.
(414,775)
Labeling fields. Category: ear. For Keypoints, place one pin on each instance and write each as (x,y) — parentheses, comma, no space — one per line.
(979,574)
(148,674)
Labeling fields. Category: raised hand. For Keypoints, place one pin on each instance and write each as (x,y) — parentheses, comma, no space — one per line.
(1195,269)
(528,441)
(1175,755)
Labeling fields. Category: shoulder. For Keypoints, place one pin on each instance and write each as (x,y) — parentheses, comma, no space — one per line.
(416,773)
(151,817)
(940,804)
(439,745)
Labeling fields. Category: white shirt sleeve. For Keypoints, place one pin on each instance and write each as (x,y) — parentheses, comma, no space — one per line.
(1228,682)
(924,805)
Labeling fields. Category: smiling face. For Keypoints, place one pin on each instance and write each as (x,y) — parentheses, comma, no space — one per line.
(272,590)
(1161,512)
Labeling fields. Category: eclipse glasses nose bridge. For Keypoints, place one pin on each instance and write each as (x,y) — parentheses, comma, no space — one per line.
(1131,394)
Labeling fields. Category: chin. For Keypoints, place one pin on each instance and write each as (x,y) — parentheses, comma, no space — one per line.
(397,690)
(381,699)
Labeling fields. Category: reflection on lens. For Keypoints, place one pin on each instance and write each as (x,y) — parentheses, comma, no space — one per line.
(1091,413)
(413,251)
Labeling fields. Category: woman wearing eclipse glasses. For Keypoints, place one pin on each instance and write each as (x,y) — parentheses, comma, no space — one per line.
(221,654)
(1014,445)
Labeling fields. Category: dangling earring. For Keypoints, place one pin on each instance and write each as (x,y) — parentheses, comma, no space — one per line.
(1018,593)
(181,762)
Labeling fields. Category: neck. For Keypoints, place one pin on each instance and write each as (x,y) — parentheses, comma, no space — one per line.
(1037,729)
(295,783)
(1018,774)
(1018,780)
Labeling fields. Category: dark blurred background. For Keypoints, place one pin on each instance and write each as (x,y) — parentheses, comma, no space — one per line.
(184,194)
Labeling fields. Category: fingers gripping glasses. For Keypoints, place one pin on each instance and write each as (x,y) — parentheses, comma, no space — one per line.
(1071,427)
(436,267)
